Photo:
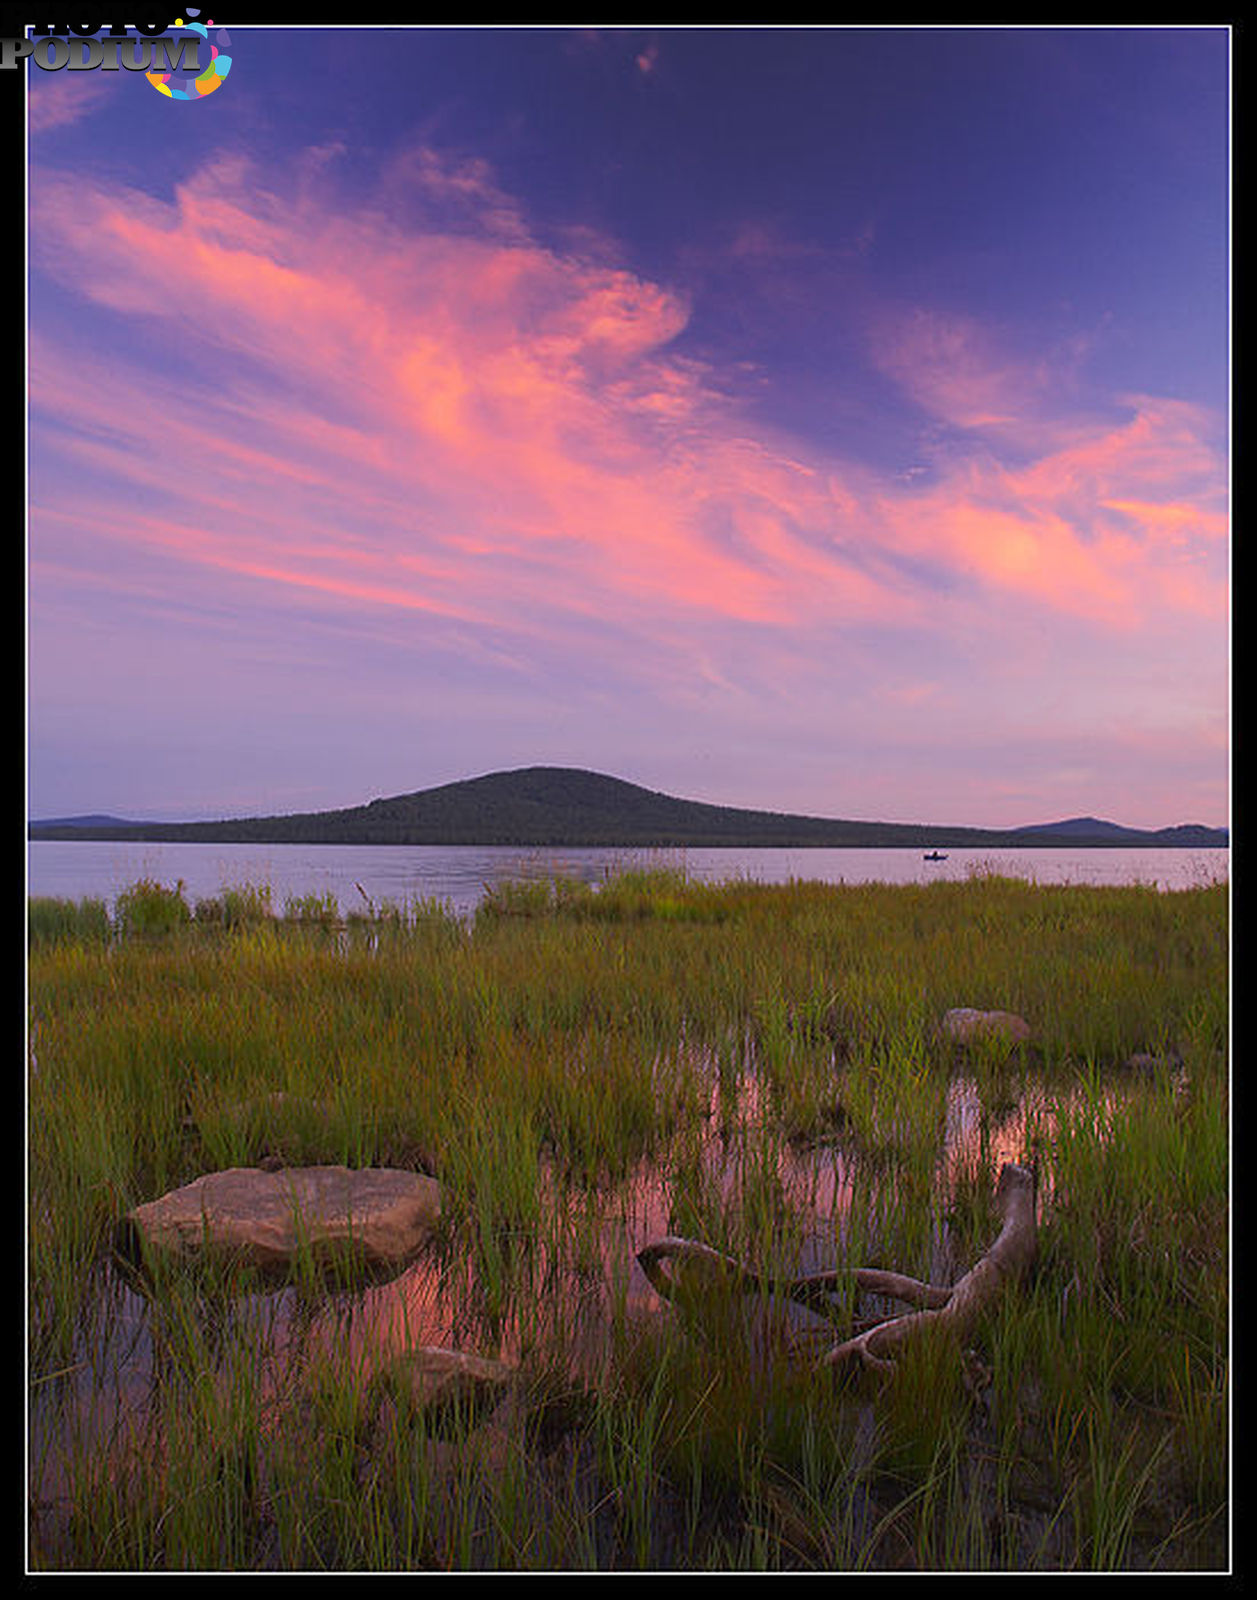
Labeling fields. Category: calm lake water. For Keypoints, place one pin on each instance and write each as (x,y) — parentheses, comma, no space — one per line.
(459,875)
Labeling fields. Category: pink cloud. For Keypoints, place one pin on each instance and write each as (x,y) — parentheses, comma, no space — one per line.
(460,422)
(1115,517)
(58,99)
(529,395)
(953,367)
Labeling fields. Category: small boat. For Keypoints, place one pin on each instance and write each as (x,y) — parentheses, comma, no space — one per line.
(934,855)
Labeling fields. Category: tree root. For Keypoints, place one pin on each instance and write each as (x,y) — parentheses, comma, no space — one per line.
(684,1270)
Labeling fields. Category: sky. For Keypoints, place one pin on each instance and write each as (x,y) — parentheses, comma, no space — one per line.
(818,420)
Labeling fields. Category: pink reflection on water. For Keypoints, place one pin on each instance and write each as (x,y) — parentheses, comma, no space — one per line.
(566,1283)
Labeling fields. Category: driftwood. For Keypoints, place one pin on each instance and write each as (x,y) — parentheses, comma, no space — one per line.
(686,1270)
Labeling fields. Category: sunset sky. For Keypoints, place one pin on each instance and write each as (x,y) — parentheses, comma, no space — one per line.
(829,421)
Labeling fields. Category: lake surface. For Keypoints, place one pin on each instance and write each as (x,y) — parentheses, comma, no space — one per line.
(459,875)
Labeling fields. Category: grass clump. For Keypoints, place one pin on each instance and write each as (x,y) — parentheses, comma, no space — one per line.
(148,910)
(50,920)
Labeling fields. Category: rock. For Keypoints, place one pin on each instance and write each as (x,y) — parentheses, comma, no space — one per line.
(1154,1066)
(444,1384)
(965,1025)
(377,1218)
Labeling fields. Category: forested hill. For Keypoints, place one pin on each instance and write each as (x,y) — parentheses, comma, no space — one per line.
(566,806)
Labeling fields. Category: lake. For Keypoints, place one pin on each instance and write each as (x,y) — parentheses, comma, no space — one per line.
(460,874)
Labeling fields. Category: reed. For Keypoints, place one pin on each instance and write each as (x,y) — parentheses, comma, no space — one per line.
(585,1069)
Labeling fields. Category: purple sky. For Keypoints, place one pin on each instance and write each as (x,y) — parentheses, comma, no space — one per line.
(820,420)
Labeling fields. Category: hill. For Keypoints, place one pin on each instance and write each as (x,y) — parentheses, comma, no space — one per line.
(564,806)
(78,824)
(1090,827)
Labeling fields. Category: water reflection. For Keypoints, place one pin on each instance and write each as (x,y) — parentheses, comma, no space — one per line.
(565,1286)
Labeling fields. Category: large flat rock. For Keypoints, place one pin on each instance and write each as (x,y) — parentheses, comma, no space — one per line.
(376,1217)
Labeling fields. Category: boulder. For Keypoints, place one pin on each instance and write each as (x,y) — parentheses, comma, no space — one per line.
(443,1383)
(376,1218)
(964,1025)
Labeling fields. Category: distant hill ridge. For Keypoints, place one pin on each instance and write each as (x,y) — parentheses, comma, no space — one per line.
(96,820)
(561,806)
(1091,826)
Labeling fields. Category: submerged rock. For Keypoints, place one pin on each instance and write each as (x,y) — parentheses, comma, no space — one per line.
(1154,1066)
(964,1025)
(442,1383)
(377,1218)
(1166,1068)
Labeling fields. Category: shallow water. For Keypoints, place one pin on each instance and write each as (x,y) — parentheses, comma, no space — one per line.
(575,1288)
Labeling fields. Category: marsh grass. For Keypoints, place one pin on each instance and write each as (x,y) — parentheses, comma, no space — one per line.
(51,921)
(586,1069)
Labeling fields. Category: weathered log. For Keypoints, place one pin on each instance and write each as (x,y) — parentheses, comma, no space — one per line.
(685,1269)
(695,1270)
(1004,1263)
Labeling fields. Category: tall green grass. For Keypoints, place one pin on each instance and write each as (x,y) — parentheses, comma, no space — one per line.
(585,1068)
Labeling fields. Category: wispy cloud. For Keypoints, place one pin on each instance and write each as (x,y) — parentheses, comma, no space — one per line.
(531,405)
(490,396)
(59,99)
(413,408)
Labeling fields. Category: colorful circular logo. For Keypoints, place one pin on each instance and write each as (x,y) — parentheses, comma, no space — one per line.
(212,74)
